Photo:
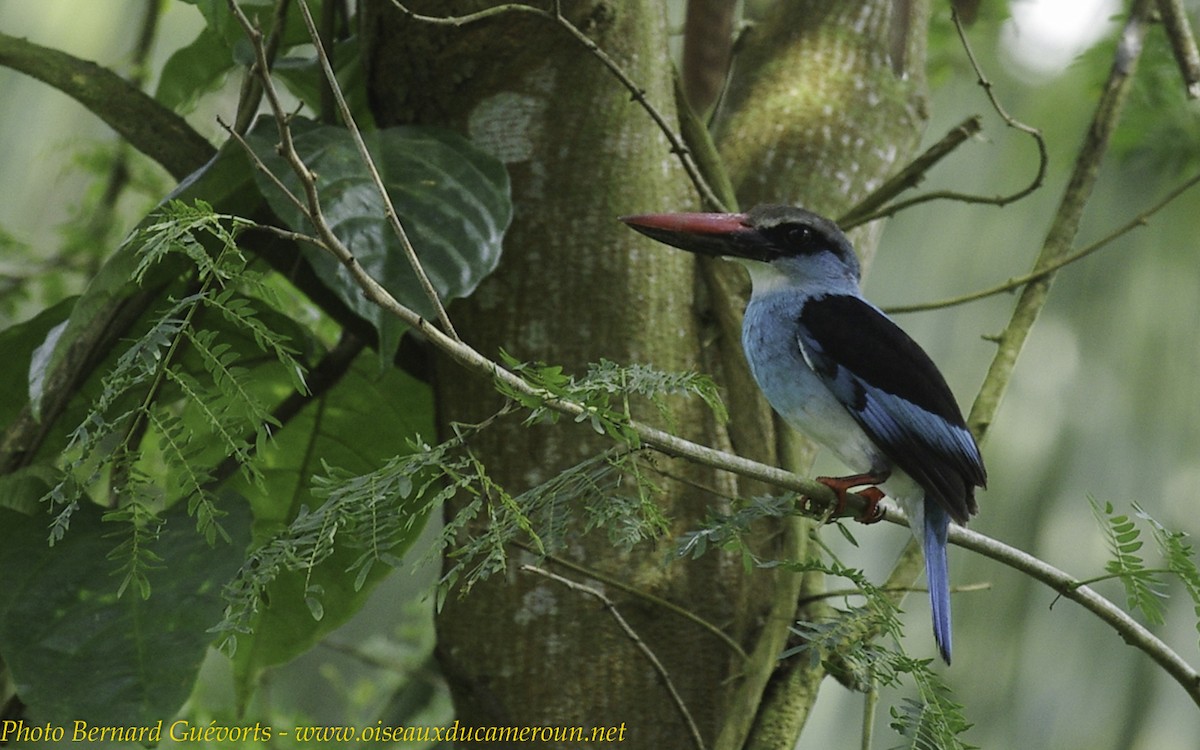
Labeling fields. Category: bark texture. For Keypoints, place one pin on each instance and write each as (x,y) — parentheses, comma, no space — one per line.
(826,100)
(814,117)
(574,286)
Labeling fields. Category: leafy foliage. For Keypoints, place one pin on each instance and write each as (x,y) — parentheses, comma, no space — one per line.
(452,197)
(1145,588)
(724,530)
(850,642)
(1180,558)
(605,393)
(60,617)
(187,405)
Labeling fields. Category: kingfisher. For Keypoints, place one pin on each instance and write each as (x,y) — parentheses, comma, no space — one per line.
(838,370)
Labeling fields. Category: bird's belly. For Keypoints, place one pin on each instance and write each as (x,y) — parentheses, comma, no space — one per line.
(799,396)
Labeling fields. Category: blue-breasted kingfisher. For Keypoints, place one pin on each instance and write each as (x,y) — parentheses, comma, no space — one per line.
(838,370)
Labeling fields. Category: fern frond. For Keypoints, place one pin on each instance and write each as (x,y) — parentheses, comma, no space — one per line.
(1143,587)
(605,394)
(133,553)
(197,410)
(1179,556)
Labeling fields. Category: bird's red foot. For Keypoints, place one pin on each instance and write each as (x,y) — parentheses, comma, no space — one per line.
(872,513)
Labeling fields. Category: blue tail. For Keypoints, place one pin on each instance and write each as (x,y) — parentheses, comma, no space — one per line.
(937,524)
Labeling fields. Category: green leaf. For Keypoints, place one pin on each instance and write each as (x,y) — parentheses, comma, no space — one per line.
(1143,588)
(60,617)
(222,22)
(200,67)
(194,70)
(360,423)
(21,364)
(452,199)
(305,79)
(22,490)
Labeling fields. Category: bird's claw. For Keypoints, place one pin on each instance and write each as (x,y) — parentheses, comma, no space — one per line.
(873,512)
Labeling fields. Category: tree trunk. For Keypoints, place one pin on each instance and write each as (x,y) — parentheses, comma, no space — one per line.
(827,99)
(576,286)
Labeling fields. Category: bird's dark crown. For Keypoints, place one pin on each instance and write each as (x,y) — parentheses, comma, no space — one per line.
(789,231)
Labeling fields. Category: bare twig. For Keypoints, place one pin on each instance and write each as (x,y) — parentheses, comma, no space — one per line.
(1065,226)
(251,93)
(1183,44)
(1130,630)
(1020,281)
(694,730)
(389,209)
(644,595)
(258,163)
(890,589)
(871,207)
(1009,120)
(678,147)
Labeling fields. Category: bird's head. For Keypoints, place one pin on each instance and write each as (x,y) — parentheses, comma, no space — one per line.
(781,243)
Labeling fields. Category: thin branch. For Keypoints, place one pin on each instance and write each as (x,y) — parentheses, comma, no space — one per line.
(389,209)
(1066,586)
(1020,281)
(890,589)
(258,163)
(644,595)
(872,207)
(1065,225)
(1183,44)
(694,730)
(1130,630)
(252,91)
(638,94)
(1009,120)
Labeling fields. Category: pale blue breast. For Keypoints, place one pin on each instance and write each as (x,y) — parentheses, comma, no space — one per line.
(769,338)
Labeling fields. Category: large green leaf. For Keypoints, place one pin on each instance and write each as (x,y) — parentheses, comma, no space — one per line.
(367,418)
(21,489)
(75,650)
(193,70)
(305,78)
(452,198)
(19,344)
(221,46)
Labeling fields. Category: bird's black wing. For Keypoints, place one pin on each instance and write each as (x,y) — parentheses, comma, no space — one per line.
(896,394)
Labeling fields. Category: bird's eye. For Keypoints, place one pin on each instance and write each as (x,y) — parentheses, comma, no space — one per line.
(799,236)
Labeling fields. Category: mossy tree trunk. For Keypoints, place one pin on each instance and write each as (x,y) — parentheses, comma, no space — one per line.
(576,286)
(827,99)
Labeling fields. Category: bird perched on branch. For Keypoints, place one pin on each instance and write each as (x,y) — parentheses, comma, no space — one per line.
(839,370)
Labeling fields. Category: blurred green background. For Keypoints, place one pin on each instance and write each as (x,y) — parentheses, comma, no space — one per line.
(1105,402)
